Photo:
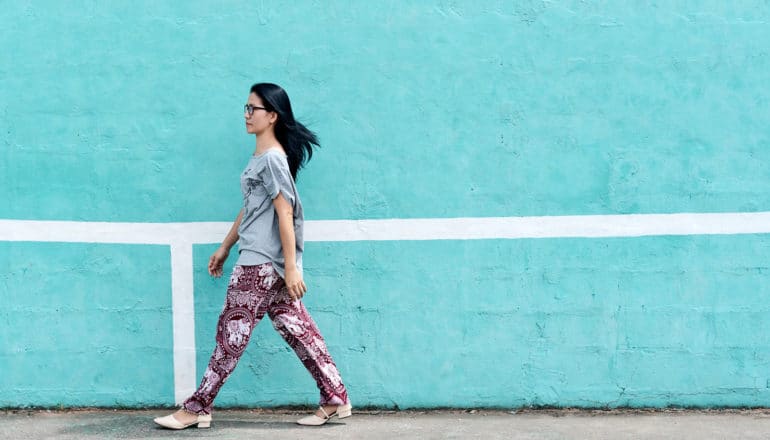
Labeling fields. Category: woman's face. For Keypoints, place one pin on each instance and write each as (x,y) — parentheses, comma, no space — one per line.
(260,119)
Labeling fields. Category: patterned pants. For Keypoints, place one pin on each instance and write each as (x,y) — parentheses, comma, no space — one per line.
(252,291)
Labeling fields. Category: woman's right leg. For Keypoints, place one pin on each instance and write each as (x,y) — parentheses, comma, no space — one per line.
(294,324)
(248,297)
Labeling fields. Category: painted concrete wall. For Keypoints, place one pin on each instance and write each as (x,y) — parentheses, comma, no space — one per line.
(132,113)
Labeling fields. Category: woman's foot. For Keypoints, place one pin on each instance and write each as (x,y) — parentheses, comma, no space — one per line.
(326,412)
(182,419)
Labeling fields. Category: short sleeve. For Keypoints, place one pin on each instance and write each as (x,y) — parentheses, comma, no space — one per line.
(276,177)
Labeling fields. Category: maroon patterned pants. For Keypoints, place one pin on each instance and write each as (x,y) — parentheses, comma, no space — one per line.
(253,291)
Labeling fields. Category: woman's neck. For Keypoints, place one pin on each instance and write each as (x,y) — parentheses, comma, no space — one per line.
(266,142)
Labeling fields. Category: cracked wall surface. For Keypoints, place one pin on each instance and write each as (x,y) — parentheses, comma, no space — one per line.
(132,113)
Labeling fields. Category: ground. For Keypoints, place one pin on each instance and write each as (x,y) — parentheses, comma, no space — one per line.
(374,425)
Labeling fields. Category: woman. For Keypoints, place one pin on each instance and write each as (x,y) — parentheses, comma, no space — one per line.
(267,277)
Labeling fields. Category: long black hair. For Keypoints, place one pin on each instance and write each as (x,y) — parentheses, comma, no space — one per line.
(295,138)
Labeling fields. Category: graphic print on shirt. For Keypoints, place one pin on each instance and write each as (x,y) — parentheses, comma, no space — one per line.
(250,181)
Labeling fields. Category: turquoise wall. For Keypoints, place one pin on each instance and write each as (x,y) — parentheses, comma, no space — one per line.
(132,113)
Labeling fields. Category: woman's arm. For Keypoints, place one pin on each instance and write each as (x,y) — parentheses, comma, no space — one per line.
(217,260)
(232,236)
(293,278)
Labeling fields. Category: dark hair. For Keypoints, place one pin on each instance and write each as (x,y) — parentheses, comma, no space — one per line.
(295,138)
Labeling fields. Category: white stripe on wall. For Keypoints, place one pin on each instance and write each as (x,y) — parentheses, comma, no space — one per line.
(183,320)
(468,228)
(180,237)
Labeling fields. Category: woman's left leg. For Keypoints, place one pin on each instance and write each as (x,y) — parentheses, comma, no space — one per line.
(294,324)
(249,293)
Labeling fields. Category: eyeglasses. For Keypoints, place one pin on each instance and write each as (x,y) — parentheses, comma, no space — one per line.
(248,108)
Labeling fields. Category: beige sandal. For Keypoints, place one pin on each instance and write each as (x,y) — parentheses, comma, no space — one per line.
(341,412)
(170,422)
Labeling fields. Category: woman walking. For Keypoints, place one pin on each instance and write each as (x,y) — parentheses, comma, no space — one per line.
(267,277)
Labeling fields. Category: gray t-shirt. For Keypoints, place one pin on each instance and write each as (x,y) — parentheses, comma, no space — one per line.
(259,240)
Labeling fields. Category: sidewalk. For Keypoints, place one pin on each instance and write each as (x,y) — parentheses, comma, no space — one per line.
(376,425)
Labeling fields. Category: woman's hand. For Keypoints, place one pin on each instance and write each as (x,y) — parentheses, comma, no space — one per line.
(294,283)
(217,261)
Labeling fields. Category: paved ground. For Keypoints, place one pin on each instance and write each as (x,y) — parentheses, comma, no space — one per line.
(375,425)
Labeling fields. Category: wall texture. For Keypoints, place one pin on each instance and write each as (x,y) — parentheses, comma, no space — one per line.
(131,112)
